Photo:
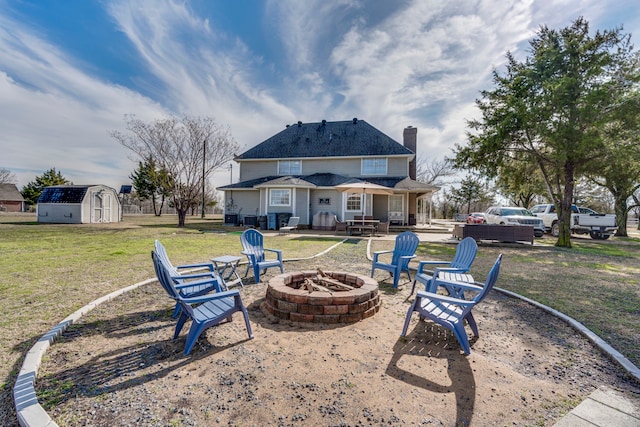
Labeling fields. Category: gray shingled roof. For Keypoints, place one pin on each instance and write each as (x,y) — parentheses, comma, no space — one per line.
(317,179)
(10,193)
(331,180)
(327,139)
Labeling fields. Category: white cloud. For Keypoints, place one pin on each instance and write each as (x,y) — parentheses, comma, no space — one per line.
(57,116)
(394,64)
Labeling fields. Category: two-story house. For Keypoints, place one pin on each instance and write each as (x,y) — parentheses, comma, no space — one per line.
(296,171)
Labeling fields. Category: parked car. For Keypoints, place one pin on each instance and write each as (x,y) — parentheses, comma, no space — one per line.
(514,216)
(583,221)
(475,218)
(460,217)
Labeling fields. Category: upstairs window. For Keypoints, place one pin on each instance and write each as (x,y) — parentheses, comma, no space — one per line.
(280,197)
(374,166)
(289,167)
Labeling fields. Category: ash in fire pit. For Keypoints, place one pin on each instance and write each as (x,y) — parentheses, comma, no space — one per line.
(322,297)
(322,282)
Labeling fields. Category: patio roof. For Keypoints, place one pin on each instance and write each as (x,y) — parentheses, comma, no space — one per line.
(287,181)
(316,180)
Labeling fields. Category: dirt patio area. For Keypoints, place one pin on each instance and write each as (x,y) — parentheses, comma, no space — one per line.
(119,366)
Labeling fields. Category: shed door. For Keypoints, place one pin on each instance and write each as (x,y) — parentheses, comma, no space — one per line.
(101,211)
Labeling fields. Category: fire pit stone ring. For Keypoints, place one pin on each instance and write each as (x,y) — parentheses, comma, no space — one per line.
(301,305)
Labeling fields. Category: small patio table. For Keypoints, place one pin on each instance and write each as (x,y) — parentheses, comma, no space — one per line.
(227,266)
(456,292)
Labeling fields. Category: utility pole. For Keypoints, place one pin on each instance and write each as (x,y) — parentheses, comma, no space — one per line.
(204,158)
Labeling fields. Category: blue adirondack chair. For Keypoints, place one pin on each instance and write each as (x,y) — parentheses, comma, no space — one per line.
(451,312)
(461,263)
(403,252)
(204,311)
(188,286)
(253,244)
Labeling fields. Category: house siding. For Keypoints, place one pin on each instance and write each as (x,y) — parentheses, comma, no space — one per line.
(346,167)
(396,166)
(248,201)
(335,201)
(258,169)
(302,205)
(11,206)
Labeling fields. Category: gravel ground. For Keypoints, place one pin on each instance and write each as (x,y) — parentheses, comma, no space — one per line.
(119,366)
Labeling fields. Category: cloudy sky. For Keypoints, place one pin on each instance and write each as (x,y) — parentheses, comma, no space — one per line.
(71,69)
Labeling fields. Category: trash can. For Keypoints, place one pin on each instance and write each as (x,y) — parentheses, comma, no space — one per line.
(262,220)
(272,221)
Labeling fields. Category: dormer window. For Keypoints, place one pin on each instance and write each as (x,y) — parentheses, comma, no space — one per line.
(374,166)
(289,167)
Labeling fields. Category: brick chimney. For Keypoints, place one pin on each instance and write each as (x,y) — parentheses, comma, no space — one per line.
(410,138)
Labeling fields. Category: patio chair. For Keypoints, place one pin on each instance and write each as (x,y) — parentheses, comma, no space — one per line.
(461,263)
(451,312)
(204,311)
(341,226)
(189,287)
(403,252)
(291,225)
(252,242)
(383,228)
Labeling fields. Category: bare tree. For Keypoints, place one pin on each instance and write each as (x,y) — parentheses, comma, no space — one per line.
(188,148)
(7,177)
(435,171)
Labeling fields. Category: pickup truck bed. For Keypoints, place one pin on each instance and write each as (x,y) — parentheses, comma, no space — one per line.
(583,221)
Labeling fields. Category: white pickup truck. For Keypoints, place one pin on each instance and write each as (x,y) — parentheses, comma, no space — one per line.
(583,221)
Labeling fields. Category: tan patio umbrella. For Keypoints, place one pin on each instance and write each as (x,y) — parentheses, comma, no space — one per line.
(363,187)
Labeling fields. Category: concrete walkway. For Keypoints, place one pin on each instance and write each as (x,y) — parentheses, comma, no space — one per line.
(604,407)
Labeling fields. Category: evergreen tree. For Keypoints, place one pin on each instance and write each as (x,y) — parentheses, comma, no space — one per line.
(31,192)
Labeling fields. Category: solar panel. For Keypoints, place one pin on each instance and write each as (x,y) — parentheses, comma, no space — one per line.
(62,195)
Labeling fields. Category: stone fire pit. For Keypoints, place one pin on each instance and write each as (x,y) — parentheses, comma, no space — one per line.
(322,306)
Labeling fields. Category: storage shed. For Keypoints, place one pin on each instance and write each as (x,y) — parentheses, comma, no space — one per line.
(10,198)
(78,204)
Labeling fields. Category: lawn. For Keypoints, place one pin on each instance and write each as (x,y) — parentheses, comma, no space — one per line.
(49,271)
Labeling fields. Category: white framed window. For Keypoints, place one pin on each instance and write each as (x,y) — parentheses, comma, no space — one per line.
(289,167)
(396,203)
(374,166)
(280,197)
(354,202)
